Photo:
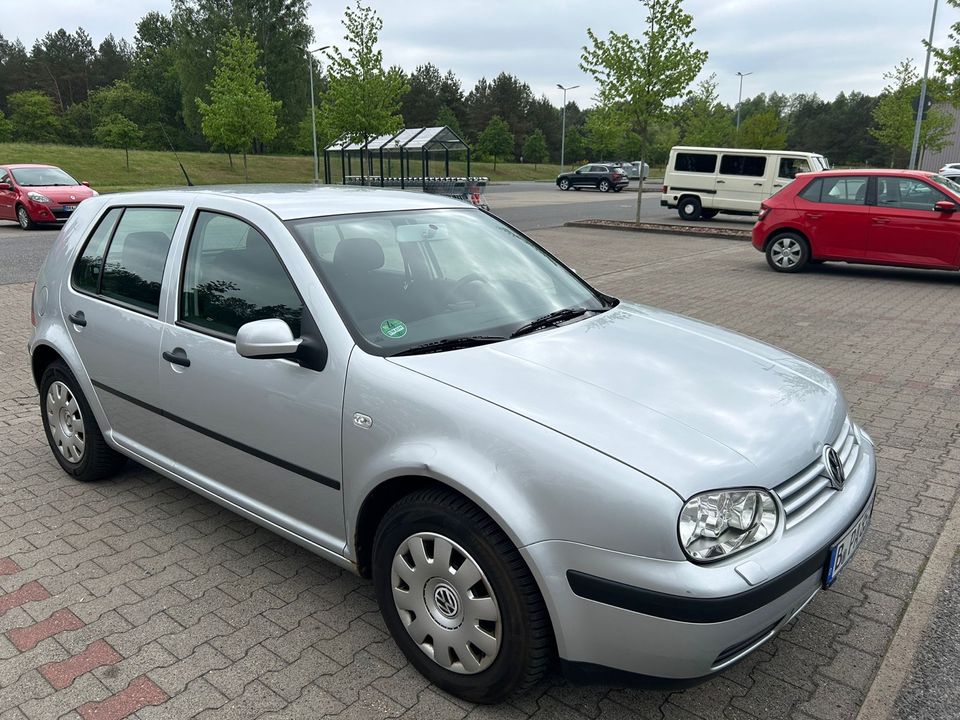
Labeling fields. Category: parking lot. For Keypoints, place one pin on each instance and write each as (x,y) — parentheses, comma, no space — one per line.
(135,595)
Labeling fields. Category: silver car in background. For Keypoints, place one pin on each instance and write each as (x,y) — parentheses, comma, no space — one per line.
(527,468)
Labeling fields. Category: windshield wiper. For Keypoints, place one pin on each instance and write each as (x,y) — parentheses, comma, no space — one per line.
(551,319)
(453,343)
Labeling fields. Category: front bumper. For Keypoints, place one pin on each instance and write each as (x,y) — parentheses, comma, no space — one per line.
(676,620)
(48,212)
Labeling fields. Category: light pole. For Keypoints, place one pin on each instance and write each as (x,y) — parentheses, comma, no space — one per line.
(739,98)
(563,123)
(313,113)
(923,94)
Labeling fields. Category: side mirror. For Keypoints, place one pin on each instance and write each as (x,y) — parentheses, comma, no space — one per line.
(5,186)
(945,206)
(576,172)
(265,339)
(85,183)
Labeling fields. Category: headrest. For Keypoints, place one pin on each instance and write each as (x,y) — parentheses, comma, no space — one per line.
(358,255)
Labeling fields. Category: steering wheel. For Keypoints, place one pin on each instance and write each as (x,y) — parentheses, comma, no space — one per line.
(456,293)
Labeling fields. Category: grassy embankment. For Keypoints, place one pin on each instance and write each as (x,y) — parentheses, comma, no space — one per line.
(106,171)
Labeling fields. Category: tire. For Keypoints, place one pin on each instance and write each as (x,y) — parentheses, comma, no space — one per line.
(563,184)
(603,186)
(71,429)
(708,214)
(425,612)
(788,252)
(23,217)
(689,207)
(576,187)
(617,189)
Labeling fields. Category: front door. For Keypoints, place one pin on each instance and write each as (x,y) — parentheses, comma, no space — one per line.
(905,229)
(787,169)
(7,211)
(111,305)
(263,434)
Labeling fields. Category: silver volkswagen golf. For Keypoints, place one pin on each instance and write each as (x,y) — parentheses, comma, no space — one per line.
(527,468)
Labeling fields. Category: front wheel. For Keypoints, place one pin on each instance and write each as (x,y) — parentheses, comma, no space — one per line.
(708,214)
(23,217)
(563,184)
(458,599)
(788,252)
(604,186)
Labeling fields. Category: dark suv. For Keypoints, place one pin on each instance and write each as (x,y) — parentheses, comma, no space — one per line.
(596,175)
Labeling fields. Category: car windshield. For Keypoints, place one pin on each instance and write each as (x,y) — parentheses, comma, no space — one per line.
(952,185)
(42,177)
(427,280)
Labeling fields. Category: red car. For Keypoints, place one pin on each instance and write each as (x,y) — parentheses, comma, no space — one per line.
(882,217)
(34,194)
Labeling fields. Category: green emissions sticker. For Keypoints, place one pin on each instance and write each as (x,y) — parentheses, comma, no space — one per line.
(393,329)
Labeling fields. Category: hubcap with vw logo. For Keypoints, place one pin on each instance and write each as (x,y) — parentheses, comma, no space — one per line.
(446,603)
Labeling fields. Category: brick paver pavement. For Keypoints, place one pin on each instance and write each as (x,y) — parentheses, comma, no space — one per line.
(137,596)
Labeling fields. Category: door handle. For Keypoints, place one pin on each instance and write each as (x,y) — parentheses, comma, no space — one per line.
(814,216)
(721,181)
(758,184)
(177,357)
(880,221)
(77,318)
(778,184)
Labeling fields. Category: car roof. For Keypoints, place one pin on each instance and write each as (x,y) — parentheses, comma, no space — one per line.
(290,202)
(871,171)
(20,166)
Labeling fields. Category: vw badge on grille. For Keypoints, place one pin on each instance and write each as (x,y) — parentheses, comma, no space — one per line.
(833,467)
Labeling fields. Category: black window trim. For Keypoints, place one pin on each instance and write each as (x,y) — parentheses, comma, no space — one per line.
(725,155)
(183,270)
(99,295)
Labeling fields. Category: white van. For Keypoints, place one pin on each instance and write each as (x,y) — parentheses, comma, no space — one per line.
(701,182)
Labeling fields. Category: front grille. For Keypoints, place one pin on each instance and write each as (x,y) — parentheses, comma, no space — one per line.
(807,491)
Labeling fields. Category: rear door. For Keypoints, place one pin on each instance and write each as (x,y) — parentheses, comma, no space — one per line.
(112,308)
(740,182)
(905,229)
(836,216)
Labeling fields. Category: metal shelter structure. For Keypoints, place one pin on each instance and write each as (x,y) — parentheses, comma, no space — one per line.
(406,145)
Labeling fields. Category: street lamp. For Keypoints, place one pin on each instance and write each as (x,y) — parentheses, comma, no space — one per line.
(313,112)
(923,94)
(563,123)
(739,98)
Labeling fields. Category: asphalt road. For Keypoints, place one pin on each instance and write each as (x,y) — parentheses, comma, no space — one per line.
(525,205)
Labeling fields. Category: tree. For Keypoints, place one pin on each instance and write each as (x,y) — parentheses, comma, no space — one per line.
(703,119)
(763,131)
(604,131)
(948,59)
(638,75)
(154,72)
(33,116)
(496,140)
(895,117)
(118,131)
(6,128)
(363,100)
(421,104)
(535,148)
(241,110)
(446,117)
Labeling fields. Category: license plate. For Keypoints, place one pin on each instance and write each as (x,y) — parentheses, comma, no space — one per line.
(845,547)
(69,208)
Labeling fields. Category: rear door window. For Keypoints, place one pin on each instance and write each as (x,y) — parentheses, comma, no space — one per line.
(133,268)
(86,273)
(695,162)
(844,190)
(747,165)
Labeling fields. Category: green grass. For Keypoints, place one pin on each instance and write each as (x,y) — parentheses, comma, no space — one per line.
(106,170)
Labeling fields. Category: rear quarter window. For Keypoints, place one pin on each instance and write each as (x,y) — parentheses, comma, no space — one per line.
(695,162)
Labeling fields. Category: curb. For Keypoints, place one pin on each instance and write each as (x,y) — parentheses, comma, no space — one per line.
(898,660)
(664,228)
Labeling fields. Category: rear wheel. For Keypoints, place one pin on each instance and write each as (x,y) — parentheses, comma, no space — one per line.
(23,217)
(563,184)
(458,599)
(71,429)
(788,252)
(604,186)
(690,207)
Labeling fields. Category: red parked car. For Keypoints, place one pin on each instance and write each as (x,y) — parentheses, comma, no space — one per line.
(34,194)
(882,217)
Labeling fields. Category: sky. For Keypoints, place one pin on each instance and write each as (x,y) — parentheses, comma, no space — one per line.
(789,46)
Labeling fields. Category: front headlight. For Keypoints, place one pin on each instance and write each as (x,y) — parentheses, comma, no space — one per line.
(717,524)
(38,197)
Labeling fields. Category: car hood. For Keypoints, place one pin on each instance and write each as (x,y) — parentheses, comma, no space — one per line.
(690,404)
(62,194)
